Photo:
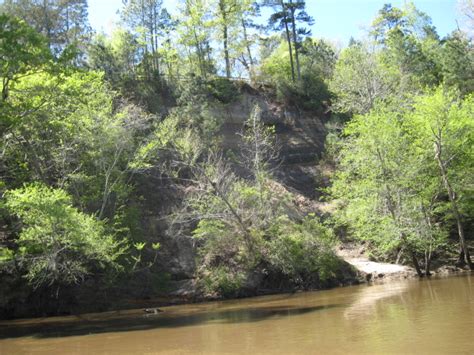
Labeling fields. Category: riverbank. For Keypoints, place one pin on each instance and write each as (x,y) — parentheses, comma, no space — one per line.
(355,268)
(372,271)
(344,320)
(358,269)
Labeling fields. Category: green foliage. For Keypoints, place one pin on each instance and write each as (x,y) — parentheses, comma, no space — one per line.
(360,80)
(231,249)
(62,23)
(302,251)
(223,90)
(60,123)
(259,150)
(441,128)
(194,31)
(23,52)
(414,59)
(115,56)
(455,58)
(22,48)
(47,120)
(406,21)
(224,281)
(389,187)
(310,91)
(72,143)
(63,127)
(286,17)
(405,58)
(58,244)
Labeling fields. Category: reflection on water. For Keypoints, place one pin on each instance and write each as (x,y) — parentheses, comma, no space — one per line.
(430,316)
(368,298)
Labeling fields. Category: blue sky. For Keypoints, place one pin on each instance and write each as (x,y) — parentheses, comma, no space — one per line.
(334,19)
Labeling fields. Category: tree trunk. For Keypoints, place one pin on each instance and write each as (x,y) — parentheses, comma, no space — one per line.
(393,214)
(295,42)
(226,52)
(454,205)
(6,81)
(416,264)
(67,25)
(145,47)
(461,261)
(151,30)
(288,39)
(225,35)
(247,45)
(47,25)
(427,263)
(199,53)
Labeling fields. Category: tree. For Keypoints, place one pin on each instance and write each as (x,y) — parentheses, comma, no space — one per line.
(247,39)
(389,18)
(233,20)
(455,58)
(384,194)
(466,8)
(360,80)
(58,245)
(227,14)
(168,51)
(288,15)
(414,60)
(74,19)
(259,147)
(298,14)
(62,22)
(194,35)
(406,172)
(408,40)
(61,127)
(23,52)
(145,17)
(317,64)
(67,141)
(278,21)
(442,129)
(407,21)
(118,55)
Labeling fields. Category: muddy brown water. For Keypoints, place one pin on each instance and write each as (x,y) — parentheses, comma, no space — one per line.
(409,317)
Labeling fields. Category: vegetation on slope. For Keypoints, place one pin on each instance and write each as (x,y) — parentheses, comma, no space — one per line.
(83,114)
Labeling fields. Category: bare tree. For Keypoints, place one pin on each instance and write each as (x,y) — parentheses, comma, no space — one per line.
(466,8)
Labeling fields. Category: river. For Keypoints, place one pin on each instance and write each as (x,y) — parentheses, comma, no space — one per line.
(408,317)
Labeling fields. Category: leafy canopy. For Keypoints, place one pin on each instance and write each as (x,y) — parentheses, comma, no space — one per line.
(57,243)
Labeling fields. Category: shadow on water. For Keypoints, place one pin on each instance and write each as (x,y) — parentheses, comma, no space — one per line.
(162,320)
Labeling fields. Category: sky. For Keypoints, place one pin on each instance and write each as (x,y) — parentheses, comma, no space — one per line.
(336,20)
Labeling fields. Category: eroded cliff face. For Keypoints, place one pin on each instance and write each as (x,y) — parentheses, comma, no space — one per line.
(300,137)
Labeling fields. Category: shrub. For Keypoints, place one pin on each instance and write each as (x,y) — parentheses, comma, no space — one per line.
(302,251)
(58,244)
(222,89)
(224,281)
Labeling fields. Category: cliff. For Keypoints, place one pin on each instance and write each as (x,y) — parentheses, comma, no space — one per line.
(300,139)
